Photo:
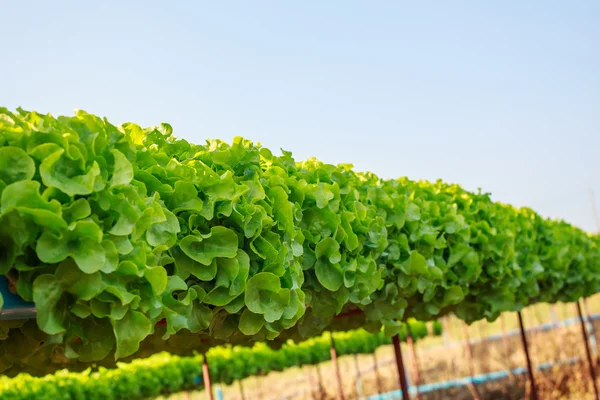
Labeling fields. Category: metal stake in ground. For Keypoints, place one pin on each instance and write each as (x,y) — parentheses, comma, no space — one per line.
(591,332)
(415,362)
(505,341)
(446,333)
(534,395)
(320,379)
(259,384)
(400,365)
(243,397)
(587,350)
(469,354)
(206,377)
(311,383)
(359,388)
(338,377)
(376,367)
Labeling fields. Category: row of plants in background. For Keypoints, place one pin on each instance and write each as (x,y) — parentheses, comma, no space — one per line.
(164,373)
(131,242)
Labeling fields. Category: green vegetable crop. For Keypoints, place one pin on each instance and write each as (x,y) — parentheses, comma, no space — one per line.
(130,242)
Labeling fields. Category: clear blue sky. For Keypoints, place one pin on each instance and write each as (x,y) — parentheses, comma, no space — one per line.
(499,95)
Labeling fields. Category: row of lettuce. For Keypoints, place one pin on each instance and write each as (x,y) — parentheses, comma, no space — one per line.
(132,242)
(163,374)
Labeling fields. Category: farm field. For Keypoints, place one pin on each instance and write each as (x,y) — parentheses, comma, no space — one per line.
(438,362)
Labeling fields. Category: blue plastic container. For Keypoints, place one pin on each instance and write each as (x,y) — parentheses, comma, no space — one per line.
(14,307)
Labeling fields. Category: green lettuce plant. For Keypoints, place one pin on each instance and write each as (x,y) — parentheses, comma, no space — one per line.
(130,242)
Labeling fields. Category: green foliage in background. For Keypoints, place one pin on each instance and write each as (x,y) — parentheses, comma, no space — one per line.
(165,374)
(110,230)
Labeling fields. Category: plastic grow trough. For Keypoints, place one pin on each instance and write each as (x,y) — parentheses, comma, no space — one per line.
(14,307)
